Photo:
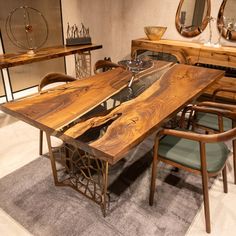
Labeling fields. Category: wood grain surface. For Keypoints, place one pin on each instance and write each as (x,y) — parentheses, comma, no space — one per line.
(185,52)
(192,53)
(136,119)
(10,60)
(127,124)
(188,52)
(57,107)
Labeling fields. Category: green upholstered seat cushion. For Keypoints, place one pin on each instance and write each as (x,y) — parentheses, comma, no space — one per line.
(211,121)
(186,152)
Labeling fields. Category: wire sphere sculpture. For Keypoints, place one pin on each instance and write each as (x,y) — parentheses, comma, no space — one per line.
(27,28)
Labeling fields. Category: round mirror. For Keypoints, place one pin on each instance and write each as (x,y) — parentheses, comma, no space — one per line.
(192,17)
(226,20)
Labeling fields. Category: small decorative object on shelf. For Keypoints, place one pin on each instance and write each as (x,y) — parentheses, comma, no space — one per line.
(218,44)
(209,43)
(76,36)
(27,28)
(154,32)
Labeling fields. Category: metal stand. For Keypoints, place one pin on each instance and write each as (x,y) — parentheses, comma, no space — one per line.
(83,64)
(82,172)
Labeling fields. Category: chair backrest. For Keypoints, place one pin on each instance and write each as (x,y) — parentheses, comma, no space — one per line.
(54,78)
(224,90)
(219,109)
(104,65)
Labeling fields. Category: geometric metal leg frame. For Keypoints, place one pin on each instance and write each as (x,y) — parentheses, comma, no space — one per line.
(83,64)
(81,171)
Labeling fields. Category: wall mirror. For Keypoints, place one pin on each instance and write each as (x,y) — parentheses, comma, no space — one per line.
(192,17)
(226,20)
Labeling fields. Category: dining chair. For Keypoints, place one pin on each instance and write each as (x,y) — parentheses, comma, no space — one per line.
(202,154)
(104,65)
(49,79)
(212,122)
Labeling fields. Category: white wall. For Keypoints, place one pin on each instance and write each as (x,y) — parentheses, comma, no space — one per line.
(70,13)
(230,8)
(103,17)
(114,23)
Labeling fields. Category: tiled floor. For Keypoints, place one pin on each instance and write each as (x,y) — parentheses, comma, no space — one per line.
(19,145)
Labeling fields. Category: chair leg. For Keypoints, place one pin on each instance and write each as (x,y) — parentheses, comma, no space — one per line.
(153,178)
(40,142)
(205,187)
(206,202)
(234,159)
(224,175)
(68,164)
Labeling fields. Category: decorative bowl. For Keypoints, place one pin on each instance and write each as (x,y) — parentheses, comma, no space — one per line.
(154,32)
(136,65)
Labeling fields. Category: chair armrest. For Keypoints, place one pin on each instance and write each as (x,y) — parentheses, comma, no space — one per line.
(206,138)
(221,110)
(224,106)
(230,90)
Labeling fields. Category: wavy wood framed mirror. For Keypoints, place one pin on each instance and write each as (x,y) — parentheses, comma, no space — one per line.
(226,21)
(192,17)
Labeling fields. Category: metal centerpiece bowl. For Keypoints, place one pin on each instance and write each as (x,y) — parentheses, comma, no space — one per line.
(136,65)
(154,32)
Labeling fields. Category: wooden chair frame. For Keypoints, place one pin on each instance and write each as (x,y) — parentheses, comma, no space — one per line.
(222,106)
(219,109)
(50,79)
(213,104)
(105,65)
(202,139)
(219,90)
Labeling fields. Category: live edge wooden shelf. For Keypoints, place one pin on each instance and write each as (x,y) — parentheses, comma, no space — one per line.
(10,60)
(193,53)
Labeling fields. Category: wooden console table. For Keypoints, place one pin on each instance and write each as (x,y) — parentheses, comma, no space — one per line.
(16,59)
(193,53)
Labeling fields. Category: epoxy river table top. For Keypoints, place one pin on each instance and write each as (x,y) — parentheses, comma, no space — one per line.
(65,111)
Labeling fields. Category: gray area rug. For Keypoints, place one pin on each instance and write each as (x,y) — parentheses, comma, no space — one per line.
(30,197)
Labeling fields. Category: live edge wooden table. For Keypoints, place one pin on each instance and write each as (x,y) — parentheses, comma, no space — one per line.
(69,112)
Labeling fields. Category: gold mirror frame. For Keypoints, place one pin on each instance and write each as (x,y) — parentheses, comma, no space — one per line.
(226,33)
(197,30)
